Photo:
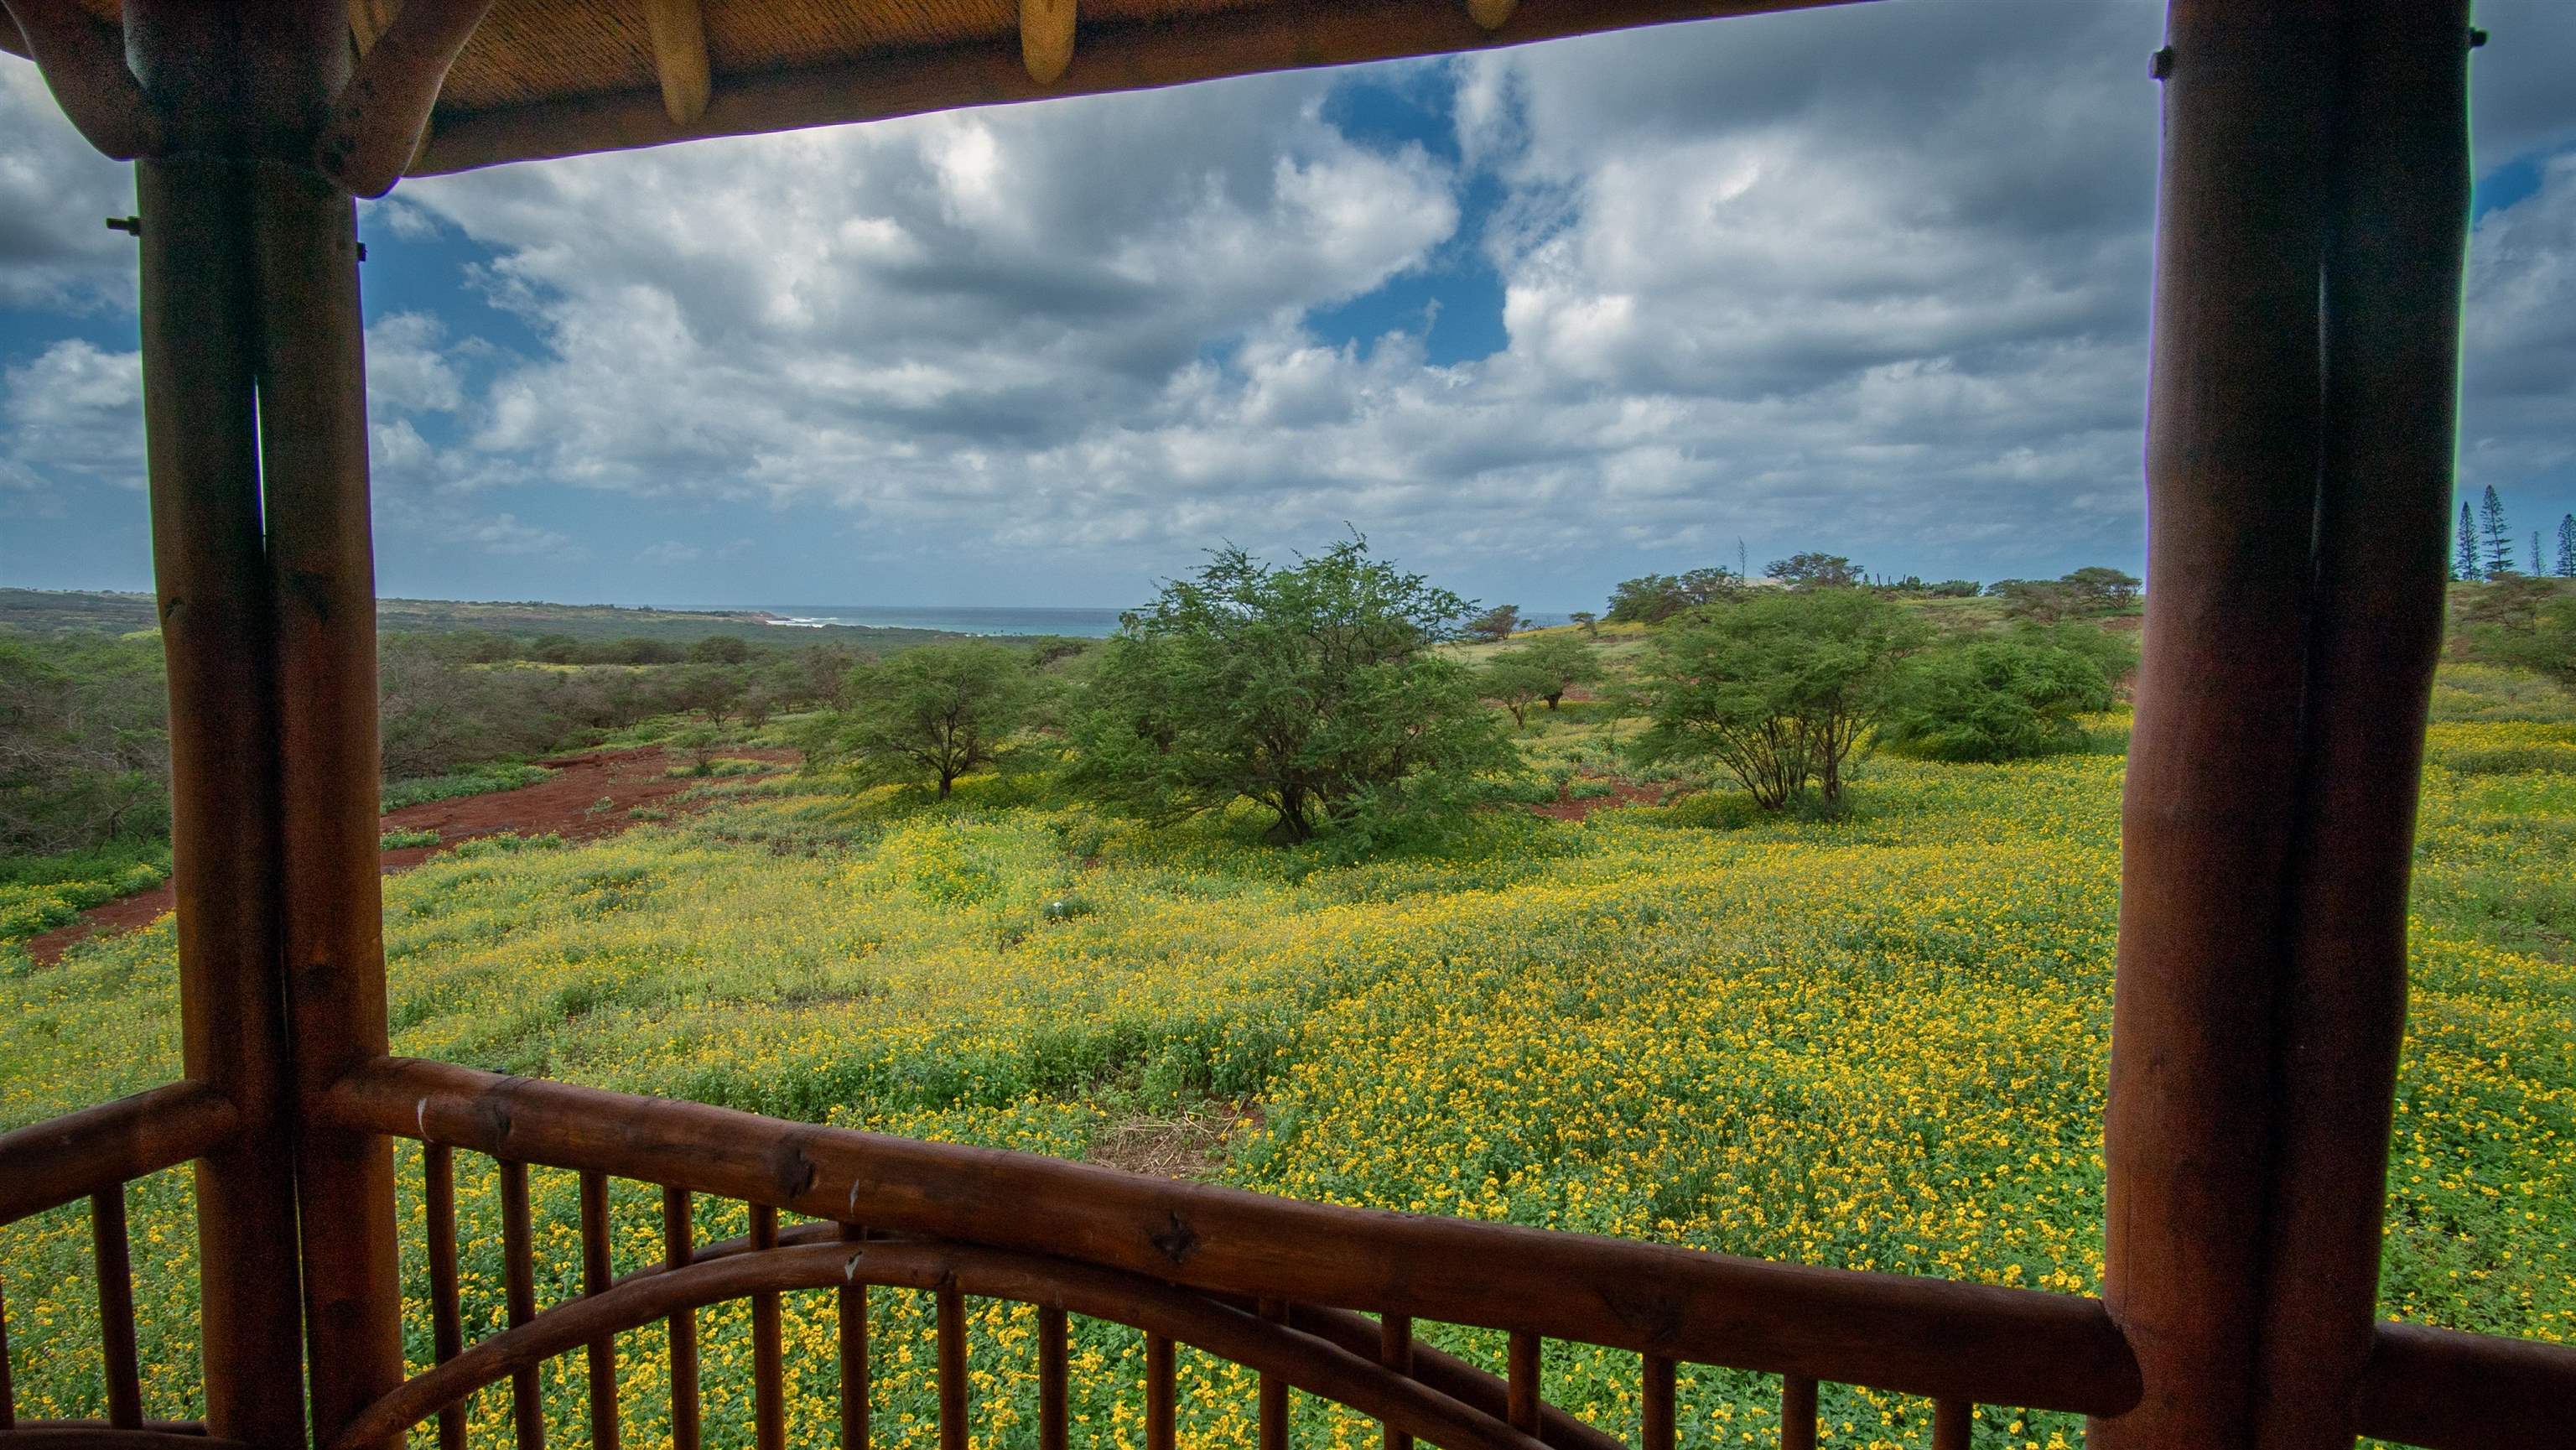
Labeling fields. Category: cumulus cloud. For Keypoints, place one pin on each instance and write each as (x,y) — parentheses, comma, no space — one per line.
(73,412)
(1870,278)
(55,193)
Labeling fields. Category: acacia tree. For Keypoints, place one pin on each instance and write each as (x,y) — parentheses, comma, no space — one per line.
(1312,690)
(1563,662)
(930,714)
(1516,680)
(1815,571)
(1778,690)
(1654,598)
(1496,624)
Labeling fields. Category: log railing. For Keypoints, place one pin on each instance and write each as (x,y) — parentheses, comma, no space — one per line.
(94,1154)
(1311,1298)
(1282,1288)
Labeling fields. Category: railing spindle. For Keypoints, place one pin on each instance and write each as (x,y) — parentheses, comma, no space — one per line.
(1797,1413)
(446,1318)
(853,1305)
(1950,1422)
(679,1246)
(1274,1392)
(519,1293)
(768,1369)
(1052,1349)
(1655,1417)
(597,1274)
(952,1368)
(116,1308)
(1395,1351)
(1521,1392)
(1161,1391)
(8,1390)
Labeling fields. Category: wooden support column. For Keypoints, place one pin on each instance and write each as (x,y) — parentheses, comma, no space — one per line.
(210,572)
(313,454)
(2398,241)
(2208,820)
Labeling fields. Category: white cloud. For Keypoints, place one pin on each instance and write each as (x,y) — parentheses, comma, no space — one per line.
(75,416)
(1873,277)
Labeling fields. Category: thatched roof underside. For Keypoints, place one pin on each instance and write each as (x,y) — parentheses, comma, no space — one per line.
(543,78)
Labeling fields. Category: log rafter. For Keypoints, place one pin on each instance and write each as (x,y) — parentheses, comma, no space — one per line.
(1046,38)
(680,57)
(83,62)
(379,121)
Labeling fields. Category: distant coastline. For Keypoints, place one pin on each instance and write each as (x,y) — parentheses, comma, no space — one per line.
(972,619)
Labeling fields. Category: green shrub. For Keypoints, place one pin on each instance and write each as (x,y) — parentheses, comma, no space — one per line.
(506,845)
(481,780)
(1991,699)
(405,840)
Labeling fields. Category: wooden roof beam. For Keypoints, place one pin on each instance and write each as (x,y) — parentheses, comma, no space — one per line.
(83,63)
(680,55)
(369,19)
(1123,57)
(1046,38)
(377,125)
(1491,13)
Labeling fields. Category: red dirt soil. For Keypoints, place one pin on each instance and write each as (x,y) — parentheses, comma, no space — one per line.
(1622,793)
(561,804)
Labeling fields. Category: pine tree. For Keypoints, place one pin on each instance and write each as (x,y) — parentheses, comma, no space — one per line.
(2567,546)
(2464,566)
(2536,568)
(2499,537)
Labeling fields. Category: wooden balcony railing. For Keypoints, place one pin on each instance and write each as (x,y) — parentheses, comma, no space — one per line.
(1311,1298)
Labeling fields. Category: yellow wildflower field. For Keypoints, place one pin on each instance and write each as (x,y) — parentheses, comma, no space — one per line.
(1875,1042)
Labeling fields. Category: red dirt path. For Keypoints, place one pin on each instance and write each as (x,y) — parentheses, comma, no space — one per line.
(560,804)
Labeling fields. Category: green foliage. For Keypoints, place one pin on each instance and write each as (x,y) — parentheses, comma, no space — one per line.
(2545,644)
(84,749)
(1543,669)
(1814,571)
(1991,699)
(1496,624)
(1516,679)
(1654,598)
(929,715)
(1779,689)
(405,840)
(479,780)
(1312,690)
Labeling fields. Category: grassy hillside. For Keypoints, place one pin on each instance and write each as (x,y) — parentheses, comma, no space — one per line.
(1876,1042)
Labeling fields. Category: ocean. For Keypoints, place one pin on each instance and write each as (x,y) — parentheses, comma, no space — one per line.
(986,619)
(958,619)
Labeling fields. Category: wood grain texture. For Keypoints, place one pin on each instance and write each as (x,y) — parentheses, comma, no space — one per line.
(1294,35)
(1168,1313)
(1919,1336)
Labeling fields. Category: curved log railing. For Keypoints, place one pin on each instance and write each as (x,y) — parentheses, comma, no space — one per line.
(1283,1288)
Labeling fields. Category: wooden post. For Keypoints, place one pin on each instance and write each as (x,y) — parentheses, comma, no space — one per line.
(313,454)
(2300,440)
(211,576)
(255,402)
(2208,820)
(2392,298)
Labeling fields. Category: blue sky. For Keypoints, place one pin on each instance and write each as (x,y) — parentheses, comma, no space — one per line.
(1870,279)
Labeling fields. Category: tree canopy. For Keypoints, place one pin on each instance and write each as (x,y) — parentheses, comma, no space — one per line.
(1779,690)
(1654,598)
(1311,689)
(930,714)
